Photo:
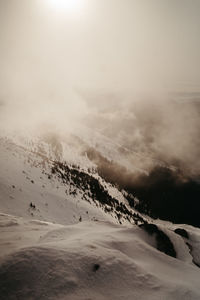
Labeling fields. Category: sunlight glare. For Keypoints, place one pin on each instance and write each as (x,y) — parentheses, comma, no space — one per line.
(70,6)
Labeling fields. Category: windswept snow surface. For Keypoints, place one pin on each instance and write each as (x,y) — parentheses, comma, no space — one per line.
(88,260)
(56,245)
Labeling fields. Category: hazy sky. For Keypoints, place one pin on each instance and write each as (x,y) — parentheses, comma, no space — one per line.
(103,44)
(61,63)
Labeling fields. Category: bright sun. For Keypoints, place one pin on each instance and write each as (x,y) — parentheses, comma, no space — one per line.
(70,6)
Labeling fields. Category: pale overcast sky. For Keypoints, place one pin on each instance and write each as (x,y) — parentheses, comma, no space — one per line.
(99,44)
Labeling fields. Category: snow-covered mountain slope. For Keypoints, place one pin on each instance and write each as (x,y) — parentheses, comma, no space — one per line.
(66,233)
(33,185)
(25,180)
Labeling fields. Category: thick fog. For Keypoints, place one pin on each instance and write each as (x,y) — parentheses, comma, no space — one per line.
(128,69)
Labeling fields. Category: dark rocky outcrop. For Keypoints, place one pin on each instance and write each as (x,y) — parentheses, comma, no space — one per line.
(182,232)
(162,240)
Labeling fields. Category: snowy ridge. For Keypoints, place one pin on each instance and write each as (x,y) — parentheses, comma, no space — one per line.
(66,233)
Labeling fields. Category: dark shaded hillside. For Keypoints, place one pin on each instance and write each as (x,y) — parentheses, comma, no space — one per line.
(164,194)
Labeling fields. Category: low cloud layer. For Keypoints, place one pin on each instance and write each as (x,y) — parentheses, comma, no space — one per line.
(165,129)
